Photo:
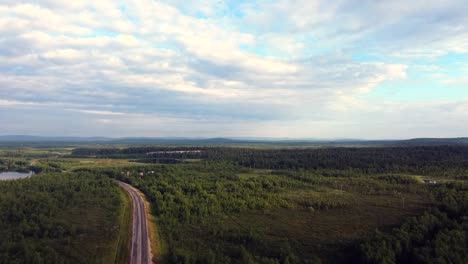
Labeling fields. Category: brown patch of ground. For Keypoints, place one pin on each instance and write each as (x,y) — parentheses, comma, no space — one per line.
(155,238)
(324,233)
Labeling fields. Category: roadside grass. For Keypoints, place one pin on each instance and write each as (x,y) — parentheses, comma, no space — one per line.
(158,248)
(124,242)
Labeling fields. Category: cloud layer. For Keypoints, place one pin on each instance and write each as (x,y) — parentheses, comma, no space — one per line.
(232,68)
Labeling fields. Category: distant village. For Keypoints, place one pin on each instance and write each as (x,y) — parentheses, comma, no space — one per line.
(174,152)
(140,173)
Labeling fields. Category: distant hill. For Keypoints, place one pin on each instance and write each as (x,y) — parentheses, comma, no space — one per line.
(233,141)
(436,141)
(179,141)
(23,138)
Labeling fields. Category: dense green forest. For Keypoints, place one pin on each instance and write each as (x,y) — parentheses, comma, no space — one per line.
(139,152)
(8,164)
(223,203)
(58,218)
(395,159)
(440,235)
(248,205)
(216,212)
(433,160)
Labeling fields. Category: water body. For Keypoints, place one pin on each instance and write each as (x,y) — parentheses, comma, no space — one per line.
(13,175)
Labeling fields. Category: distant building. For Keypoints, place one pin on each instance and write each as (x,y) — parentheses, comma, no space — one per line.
(430,181)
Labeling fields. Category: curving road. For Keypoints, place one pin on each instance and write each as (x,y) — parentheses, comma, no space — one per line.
(140,248)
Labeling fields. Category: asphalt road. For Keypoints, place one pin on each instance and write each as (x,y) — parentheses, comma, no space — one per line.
(140,248)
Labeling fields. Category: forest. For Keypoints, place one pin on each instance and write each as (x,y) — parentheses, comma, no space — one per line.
(205,204)
(59,218)
(436,160)
(440,235)
(219,204)
(9,164)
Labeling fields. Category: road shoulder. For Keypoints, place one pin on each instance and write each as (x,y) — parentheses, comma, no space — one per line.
(154,235)
(125,230)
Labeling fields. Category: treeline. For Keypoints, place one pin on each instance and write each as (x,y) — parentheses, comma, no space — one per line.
(46,167)
(20,165)
(379,160)
(138,152)
(58,218)
(438,236)
(428,160)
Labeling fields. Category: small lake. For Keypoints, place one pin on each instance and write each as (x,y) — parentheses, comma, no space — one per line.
(12,175)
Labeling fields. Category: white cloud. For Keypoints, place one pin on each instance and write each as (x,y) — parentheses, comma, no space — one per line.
(16,103)
(404,29)
(269,62)
(62,54)
(28,104)
(97,112)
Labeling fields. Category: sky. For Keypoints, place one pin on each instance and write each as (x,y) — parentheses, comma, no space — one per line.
(364,69)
